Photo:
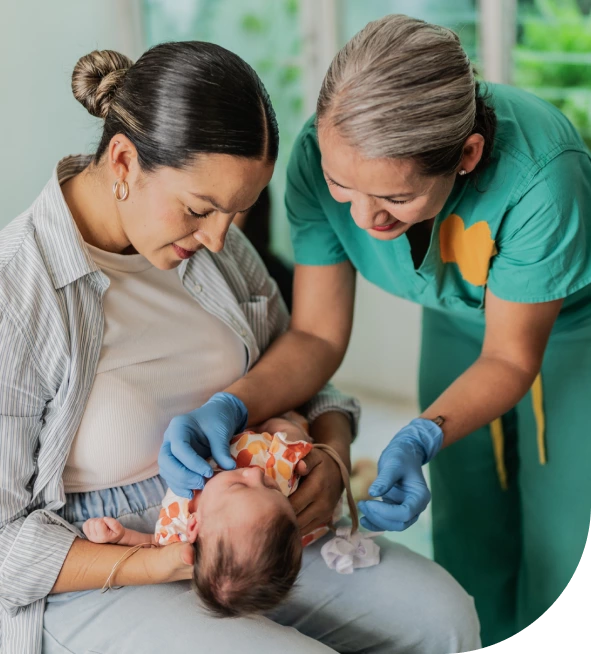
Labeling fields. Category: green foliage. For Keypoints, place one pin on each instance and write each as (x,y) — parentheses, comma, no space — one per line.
(288,75)
(254,24)
(553,58)
(292,7)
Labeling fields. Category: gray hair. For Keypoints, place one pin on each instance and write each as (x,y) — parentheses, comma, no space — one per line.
(403,88)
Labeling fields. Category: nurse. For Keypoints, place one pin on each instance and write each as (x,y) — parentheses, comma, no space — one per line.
(475,201)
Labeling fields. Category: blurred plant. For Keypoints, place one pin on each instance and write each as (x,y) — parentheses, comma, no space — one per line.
(553,57)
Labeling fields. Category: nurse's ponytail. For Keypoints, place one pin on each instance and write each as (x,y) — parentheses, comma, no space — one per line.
(402,88)
(177,101)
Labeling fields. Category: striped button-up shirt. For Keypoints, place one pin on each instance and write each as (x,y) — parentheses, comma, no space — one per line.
(51,330)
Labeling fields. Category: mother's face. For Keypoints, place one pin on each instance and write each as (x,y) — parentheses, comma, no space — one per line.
(387,196)
(172,213)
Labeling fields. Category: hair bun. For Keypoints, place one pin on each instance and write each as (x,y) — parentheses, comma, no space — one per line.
(96,78)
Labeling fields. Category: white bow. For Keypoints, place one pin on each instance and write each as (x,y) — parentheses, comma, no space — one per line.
(347,551)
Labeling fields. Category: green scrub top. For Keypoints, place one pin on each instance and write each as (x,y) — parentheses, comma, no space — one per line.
(522,227)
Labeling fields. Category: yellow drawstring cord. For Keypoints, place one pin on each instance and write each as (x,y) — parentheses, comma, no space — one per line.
(538,406)
(498,440)
(498,437)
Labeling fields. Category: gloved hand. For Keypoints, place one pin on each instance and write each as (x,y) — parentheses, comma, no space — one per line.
(400,481)
(195,436)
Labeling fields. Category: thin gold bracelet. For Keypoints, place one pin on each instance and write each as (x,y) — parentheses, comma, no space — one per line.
(107,585)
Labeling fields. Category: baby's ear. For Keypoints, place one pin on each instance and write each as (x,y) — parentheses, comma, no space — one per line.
(192,528)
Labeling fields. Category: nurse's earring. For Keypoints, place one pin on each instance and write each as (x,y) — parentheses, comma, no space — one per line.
(462,172)
(120,190)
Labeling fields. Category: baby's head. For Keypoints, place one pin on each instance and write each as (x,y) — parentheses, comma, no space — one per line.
(247,543)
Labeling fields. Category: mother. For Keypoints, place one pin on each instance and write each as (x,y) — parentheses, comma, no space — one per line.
(120,308)
(474,201)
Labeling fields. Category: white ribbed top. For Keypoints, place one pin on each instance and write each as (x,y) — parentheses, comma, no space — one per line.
(162,355)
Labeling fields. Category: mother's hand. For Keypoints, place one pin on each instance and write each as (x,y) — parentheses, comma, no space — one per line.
(193,437)
(319,491)
(173,562)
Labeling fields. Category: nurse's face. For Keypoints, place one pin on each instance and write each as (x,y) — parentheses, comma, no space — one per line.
(170,214)
(387,196)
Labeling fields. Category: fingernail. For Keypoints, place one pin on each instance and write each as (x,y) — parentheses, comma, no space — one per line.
(375,491)
(209,473)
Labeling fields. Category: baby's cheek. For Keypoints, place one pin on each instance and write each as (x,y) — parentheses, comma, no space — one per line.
(212,487)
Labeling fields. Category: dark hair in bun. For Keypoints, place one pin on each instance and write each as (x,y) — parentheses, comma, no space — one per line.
(177,101)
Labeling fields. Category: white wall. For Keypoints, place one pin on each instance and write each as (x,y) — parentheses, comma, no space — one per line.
(40,42)
(383,354)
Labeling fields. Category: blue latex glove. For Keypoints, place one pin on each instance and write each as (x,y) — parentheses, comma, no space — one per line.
(195,436)
(400,481)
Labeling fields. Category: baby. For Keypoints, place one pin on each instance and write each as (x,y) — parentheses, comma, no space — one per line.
(247,544)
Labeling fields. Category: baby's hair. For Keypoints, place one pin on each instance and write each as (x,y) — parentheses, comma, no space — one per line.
(230,588)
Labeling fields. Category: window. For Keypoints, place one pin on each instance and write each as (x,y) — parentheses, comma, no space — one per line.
(543,46)
(552,57)
(459,15)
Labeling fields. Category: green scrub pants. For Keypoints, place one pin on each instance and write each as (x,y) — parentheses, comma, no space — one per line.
(514,549)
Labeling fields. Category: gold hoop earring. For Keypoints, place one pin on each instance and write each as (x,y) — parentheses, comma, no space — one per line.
(462,172)
(116,186)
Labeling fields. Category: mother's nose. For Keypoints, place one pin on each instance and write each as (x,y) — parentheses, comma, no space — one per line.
(213,235)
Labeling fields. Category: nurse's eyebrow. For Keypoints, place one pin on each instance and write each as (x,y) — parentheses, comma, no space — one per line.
(207,198)
(381,197)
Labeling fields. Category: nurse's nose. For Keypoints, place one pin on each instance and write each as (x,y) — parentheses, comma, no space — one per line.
(366,213)
(214,232)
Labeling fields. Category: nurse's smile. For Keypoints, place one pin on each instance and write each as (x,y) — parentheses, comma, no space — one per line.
(389,227)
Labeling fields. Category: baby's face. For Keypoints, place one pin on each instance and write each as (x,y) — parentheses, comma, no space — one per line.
(237,501)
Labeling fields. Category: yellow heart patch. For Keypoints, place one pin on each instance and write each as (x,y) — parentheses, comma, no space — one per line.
(470,248)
